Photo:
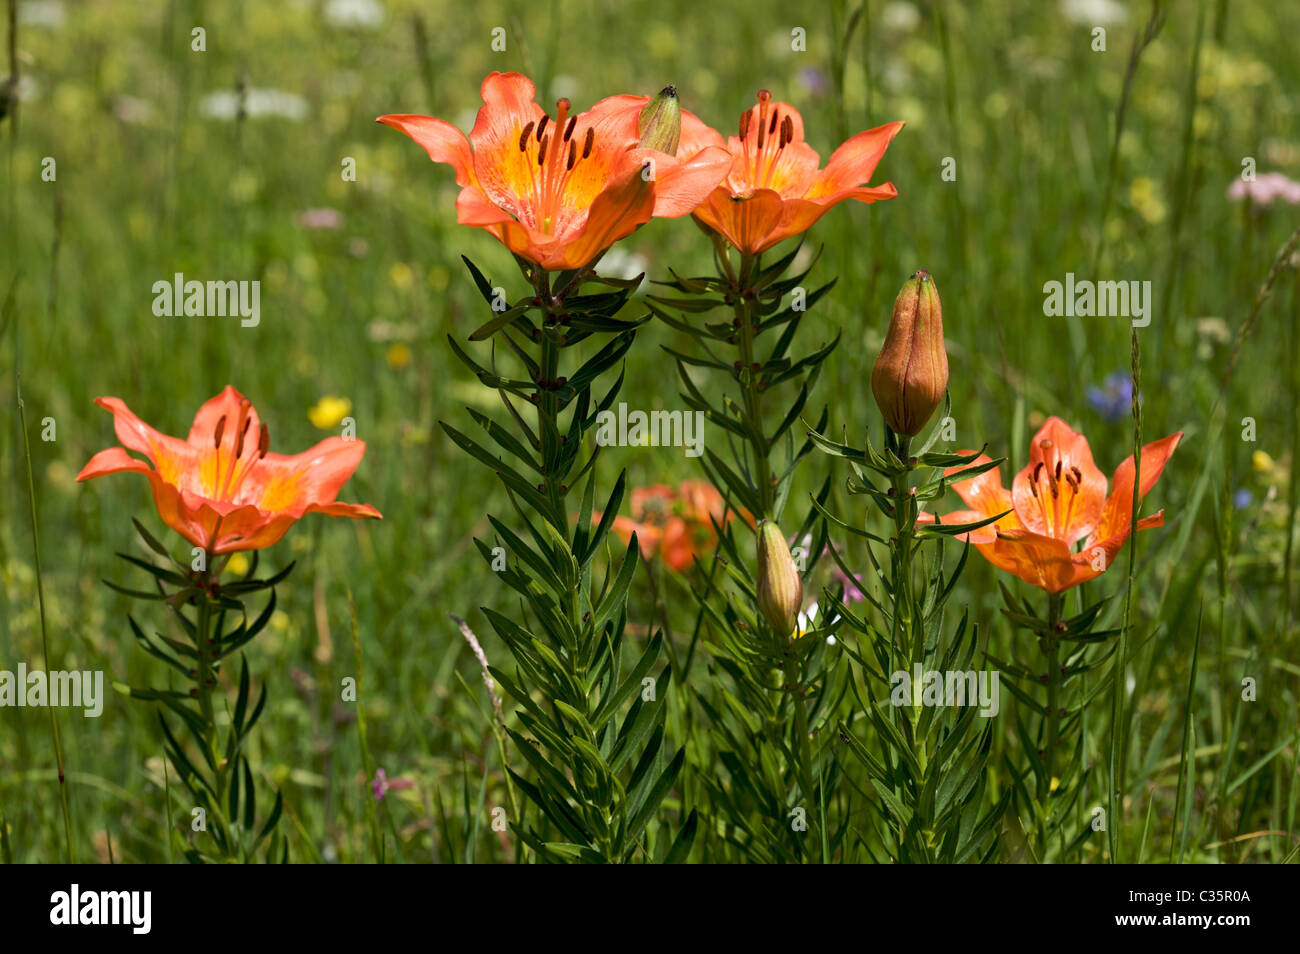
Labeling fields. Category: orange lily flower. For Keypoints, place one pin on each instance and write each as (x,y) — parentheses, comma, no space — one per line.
(674,523)
(775,189)
(559,191)
(1056,501)
(222,489)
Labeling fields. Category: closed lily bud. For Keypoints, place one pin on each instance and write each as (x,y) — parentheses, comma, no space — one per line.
(780,588)
(911,373)
(660,122)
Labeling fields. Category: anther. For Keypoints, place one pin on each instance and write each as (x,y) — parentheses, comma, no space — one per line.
(776,115)
(1058,470)
(541,152)
(541,127)
(239,446)
(1038,470)
(745,118)
(523,139)
(263,441)
(586,146)
(568,130)
(573,155)
(1077,475)
(221,427)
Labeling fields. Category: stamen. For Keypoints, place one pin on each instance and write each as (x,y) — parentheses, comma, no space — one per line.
(573,156)
(776,114)
(745,119)
(263,441)
(541,153)
(1077,475)
(239,446)
(221,427)
(1038,470)
(591,138)
(787,132)
(541,127)
(1058,469)
(523,139)
(568,130)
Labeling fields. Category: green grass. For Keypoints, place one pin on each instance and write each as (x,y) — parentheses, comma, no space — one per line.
(148,186)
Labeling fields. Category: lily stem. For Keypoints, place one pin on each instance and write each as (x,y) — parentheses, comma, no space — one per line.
(751,390)
(1052,649)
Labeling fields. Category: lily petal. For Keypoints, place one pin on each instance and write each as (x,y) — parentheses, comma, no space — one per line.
(852,164)
(1061,491)
(1118,512)
(441,140)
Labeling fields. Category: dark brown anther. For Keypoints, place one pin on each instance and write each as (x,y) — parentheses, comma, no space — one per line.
(1038,470)
(221,429)
(776,114)
(264,441)
(573,155)
(1058,470)
(541,127)
(587,143)
(239,445)
(568,130)
(541,152)
(787,131)
(1078,476)
(1053,487)
(1074,484)
(745,119)
(523,138)
(1033,489)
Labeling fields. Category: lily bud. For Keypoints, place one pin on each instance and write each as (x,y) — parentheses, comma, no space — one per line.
(660,122)
(780,588)
(911,373)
